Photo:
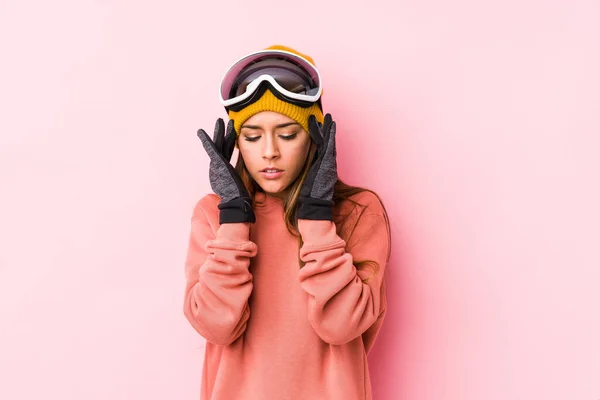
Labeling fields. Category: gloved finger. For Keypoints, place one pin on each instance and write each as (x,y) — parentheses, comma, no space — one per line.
(315,131)
(327,119)
(328,135)
(230,138)
(208,144)
(218,135)
(331,148)
(327,124)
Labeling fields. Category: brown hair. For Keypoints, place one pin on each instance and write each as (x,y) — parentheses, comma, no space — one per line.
(342,192)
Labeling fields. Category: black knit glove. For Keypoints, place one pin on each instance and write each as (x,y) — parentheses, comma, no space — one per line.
(235,205)
(315,199)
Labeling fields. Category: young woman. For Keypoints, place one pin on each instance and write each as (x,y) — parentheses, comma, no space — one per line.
(285,265)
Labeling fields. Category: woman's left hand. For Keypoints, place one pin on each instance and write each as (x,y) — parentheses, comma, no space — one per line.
(316,194)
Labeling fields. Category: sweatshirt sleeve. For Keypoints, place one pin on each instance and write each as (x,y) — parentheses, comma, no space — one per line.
(218,282)
(341,307)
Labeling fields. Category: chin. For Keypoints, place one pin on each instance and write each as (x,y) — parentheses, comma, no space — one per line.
(272,187)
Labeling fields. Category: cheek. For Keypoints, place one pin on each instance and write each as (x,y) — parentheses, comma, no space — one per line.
(245,152)
(306,149)
(249,158)
(299,155)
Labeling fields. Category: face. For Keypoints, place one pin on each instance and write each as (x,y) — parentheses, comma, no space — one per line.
(269,140)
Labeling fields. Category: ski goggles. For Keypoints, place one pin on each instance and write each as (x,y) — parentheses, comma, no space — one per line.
(291,78)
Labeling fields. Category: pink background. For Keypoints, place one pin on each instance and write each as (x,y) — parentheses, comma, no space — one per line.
(477,122)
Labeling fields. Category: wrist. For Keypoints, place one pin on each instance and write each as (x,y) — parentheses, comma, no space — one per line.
(238,232)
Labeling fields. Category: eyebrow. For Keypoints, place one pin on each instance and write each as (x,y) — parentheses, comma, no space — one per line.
(276,126)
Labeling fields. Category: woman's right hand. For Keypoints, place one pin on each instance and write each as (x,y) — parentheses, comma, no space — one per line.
(235,205)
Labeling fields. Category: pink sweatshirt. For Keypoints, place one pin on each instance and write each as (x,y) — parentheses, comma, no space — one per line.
(273,330)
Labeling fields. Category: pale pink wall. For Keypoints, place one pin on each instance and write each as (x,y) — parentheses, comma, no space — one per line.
(477,122)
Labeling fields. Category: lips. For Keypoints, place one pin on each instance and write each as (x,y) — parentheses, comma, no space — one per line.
(271,173)
(271,170)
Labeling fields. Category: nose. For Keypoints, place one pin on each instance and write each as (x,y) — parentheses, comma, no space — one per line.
(270,148)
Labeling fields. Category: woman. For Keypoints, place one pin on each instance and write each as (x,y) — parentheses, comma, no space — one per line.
(285,264)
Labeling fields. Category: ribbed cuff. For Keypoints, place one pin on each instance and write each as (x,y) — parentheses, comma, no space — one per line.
(315,209)
(236,210)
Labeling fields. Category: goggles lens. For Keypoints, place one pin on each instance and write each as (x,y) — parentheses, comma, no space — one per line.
(288,75)
(292,76)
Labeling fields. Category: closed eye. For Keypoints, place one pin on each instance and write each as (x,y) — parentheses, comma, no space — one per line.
(284,137)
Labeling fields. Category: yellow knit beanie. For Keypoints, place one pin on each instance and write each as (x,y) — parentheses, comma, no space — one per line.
(268,102)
